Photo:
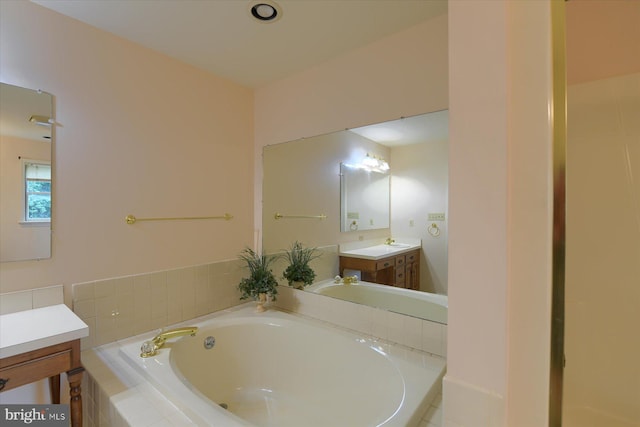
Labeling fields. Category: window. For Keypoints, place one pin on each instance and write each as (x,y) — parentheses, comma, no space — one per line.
(37,191)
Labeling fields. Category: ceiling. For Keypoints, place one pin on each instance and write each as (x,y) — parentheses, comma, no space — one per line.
(430,127)
(222,37)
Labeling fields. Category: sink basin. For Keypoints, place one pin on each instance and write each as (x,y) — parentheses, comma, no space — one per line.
(400,245)
(379,251)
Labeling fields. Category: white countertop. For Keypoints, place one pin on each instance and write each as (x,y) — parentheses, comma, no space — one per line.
(380,251)
(38,328)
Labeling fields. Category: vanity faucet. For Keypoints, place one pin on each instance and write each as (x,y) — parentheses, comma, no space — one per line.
(150,348)
(389,241)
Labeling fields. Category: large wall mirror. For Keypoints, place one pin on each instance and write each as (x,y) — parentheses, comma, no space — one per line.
(26,178)
(302,184)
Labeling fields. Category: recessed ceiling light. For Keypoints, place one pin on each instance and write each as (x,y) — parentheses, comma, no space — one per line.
(265,11)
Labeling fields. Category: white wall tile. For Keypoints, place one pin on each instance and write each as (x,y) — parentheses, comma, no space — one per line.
(88,341)
(412,327)
(432,337)
(124,286)
(16,301)
(82,291)
(45,297)
(85,308)
(444,341)
(105,288)
(379,324)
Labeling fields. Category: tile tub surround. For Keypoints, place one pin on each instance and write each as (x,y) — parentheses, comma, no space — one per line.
(412,332)
(419,334)
(122,307)
(117,395)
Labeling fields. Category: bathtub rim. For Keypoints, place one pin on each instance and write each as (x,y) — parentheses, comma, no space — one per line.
(436,299)
(439,299)
(204,413)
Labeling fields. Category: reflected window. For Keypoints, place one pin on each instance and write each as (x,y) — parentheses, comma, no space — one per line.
(37,191)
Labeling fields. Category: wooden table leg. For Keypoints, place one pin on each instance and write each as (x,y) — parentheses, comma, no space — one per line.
(54,389)
(75,401)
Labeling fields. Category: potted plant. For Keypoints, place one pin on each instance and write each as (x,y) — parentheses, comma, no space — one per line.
(261,282)
(298,273)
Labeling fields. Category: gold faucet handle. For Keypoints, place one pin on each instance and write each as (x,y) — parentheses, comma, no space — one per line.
(150,348)
(174,333)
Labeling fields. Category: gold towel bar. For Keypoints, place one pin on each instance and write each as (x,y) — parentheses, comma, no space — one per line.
(130,219)
(280,216)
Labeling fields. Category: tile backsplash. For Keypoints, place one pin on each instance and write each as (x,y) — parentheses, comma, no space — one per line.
(125,306)
(12,302)
(121,307)
(419,334)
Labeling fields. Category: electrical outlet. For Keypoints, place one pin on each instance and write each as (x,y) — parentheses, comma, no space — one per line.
(411,223)
(436,216)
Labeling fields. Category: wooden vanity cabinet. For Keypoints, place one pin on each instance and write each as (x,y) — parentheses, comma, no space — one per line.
(42,343)
(48,362)
(402,271)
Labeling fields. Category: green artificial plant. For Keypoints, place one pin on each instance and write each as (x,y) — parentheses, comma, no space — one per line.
(261,279)
(298,269)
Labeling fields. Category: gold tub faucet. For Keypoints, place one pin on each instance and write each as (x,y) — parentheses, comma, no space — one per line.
(151,347)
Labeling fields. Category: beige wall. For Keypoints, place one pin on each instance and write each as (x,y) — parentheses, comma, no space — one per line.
(602,39)
(499,214)
(603,253)
(138,133)
(603,214)
(419,186)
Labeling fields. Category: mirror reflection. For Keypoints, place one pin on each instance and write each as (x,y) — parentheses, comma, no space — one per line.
(302,180)
(25,168)
(364,197)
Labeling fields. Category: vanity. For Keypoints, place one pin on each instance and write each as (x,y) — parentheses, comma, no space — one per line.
(394,265)
(42,343)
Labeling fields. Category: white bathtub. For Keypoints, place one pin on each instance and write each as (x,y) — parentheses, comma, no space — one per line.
(418,304)
(279,369)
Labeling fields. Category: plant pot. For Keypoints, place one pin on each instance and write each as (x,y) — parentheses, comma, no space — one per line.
(261,301)
(297,284)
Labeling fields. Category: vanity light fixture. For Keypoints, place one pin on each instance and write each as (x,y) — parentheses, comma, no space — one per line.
(375,164)
(370,162)
(40,120)
(265,11)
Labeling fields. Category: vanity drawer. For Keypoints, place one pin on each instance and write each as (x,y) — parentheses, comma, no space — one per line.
(412,257)
(400,277)
(385,263)
(400,261)
(33,370)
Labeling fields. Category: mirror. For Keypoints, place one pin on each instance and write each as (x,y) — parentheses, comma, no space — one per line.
(25,168)
(303,182)
(364,198)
